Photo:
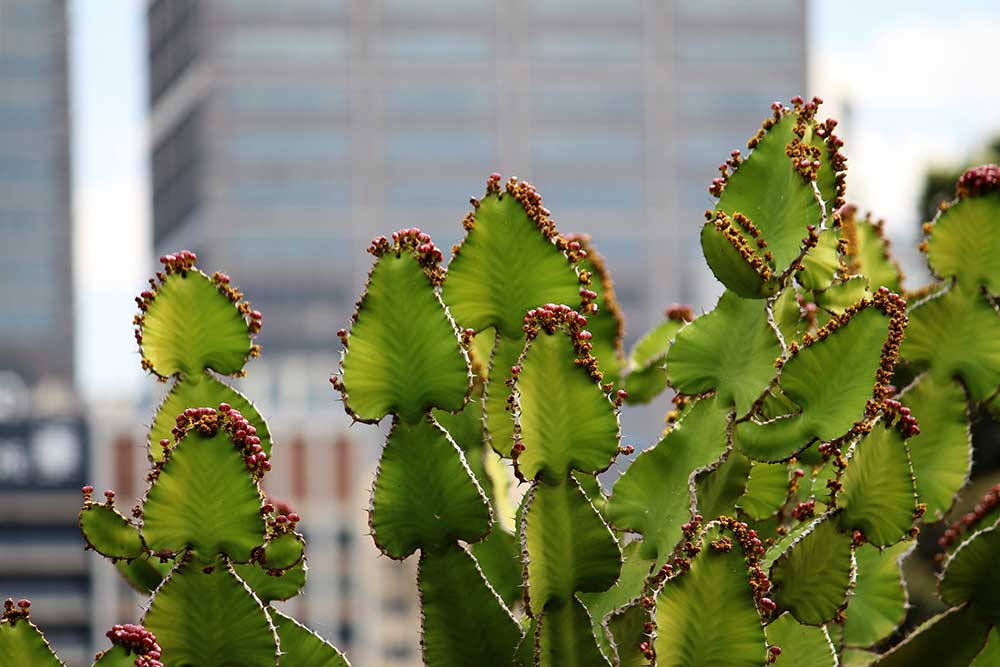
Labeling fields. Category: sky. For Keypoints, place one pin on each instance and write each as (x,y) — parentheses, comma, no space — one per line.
(914,84)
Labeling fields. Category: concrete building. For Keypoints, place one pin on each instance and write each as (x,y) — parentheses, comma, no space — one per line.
(43,441)
(285,135)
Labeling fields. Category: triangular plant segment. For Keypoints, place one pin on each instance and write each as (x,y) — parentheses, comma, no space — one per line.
(21,643)
(951,639)
(116,656)
(109,533)
(497,412)
(204,496)
(855,354)
(866,250)
(801,645)
(751,241)
(629,627)
(197,390)
(941,454)
(971,575)
(956,334)
(425,496)
(646,376)
(511,260)
(403,354)
(708,615)
(464,621)
(813,574)
(878,496)
(565,639)
(569,548)
(990,655)
(964,240)
(145,573)
(879,601)
(731,349)
(766,490)
(720,490)
(301,647)
(210,618)
(563,419)
(654,496)
(191,322)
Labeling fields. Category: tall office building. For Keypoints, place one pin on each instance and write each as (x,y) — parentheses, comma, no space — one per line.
(285,135)
(43,452)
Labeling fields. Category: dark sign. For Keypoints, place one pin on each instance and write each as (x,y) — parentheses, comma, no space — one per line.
(43,453)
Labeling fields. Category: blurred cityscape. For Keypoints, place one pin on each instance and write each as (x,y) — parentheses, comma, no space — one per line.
(283,136)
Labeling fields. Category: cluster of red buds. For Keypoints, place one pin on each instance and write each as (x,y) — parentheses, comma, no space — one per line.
(679,312)
(552,317)
(978,181)
(137,639)
(773,652)
(280,517)
(12,614)
(179,262)
(418,243)
(726,168)
(730,230)
(804,511)
(753,550)
(907,423)
(208,421)
(970,520)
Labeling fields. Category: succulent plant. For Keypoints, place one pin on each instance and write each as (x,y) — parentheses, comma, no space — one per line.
(819,419)
(770,522)
(204,542)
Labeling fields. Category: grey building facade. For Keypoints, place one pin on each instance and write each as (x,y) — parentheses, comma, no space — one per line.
(285,135)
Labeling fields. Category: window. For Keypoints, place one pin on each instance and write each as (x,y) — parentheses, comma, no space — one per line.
(301,46)
(447,146)
(282,99)
(594,150)
(174,42)
(297,194)
(439,103)
(437,44)
(289,146)
(176,175)
(590,45)
(561,104)
(740,47)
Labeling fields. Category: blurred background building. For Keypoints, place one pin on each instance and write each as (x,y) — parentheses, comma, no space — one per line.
(43,440)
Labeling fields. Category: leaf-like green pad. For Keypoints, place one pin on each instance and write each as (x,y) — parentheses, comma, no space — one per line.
(425,496)
(867,251)
(628,629)
(301,647)
(403,353)
(204,499)
(767,488)
(731,349)
(190,326)
(284,551)
(941,456)
(707,616)
(569,546)
(464,621)
(646,374)
(562,414)
(505,266)
(878,603)
(957,334)
(971,574)
(565,639)
(821,263)
(270,587)
(951,639)
(109,533)
(22,645)
(965,242)
(210,619)
(198,391)
(801,645)
(499,559)
(879,498)
(653,497)
(813,575)
(848,361)
(780,216)
(720,490)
